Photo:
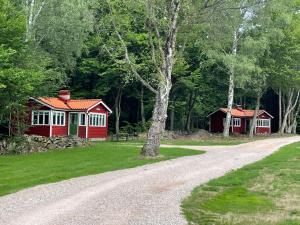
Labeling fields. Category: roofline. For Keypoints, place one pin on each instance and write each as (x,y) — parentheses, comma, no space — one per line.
(98,103)
(51,107)
(214,112)
(41,102)
(264,111)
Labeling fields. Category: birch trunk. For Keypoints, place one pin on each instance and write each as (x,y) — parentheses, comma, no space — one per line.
(231,89)
(293,126)
(280,107)
(254,120)
(30,19)
(289,109)
(159,116)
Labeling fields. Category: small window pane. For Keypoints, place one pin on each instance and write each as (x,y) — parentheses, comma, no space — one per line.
(54,119)
(41,118)
(82,119)
(35,118)
(62,119)
(46,118)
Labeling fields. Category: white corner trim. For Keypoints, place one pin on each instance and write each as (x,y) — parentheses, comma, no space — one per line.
(98,103)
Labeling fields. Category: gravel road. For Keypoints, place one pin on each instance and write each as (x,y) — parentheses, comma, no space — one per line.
(144,195)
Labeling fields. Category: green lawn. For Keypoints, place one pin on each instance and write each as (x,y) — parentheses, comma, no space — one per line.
(21,171)
(264,193)
(190,142)
(211,140)
(207,142)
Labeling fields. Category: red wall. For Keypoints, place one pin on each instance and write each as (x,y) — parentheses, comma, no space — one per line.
(264,130)
(98,132)
(81,131)
(240,129)
(217,123)
(42,130)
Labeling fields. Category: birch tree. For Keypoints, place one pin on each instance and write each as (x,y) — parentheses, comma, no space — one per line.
(162,51)
(225,34)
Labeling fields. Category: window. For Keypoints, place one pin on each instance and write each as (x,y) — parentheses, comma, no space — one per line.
(40,117)
(58,118)
(97,120)
(263,123)
(82,119)
(236,122)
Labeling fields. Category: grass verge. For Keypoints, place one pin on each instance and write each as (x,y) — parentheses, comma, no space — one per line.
(209,141)
(264,193)
(22,171)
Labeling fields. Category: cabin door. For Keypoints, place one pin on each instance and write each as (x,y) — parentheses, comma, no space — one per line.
(73,124)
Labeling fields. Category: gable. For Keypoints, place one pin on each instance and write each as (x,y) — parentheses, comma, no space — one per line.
(100,107)
(264,115)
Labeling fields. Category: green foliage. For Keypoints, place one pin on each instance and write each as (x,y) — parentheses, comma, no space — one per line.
(61,29)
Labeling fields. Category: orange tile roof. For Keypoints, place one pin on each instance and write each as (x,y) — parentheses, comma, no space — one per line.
(241,112)
(80,104)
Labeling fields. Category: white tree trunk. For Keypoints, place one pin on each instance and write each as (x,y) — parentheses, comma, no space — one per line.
(159,116)
(231,89)
(254,119)
(33,14)
(289,108)
(280,107)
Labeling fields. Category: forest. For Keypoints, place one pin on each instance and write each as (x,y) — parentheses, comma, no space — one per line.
(159,64)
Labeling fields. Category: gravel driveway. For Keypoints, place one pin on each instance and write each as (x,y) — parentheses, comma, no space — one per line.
(144,195)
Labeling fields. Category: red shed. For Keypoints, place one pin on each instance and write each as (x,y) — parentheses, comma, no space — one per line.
(240,121)
(85,118)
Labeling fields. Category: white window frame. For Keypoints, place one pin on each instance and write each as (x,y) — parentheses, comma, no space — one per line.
(237,122)
(97,120)
(60,113)
(260,123)
(79,118)
(44,113)
(232,121)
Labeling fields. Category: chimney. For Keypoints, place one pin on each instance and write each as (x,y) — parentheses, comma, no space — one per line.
(239,107)
(64,95)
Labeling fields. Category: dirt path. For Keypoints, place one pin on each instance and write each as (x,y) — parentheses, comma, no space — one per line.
(144,195)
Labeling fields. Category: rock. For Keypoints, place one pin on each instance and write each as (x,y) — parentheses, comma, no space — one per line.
(29,144)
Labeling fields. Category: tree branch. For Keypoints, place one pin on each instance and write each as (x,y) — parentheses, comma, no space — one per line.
(126,54)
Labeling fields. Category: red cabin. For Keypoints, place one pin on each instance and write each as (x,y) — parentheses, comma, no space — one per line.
(240,121)
(85,118)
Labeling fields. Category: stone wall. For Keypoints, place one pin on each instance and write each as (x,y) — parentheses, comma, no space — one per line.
(33,143)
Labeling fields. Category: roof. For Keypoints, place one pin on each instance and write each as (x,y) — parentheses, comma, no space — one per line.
(238,112)
(72,104)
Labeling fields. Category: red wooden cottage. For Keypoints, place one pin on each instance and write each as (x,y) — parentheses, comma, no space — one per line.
(240,121)
(85,118)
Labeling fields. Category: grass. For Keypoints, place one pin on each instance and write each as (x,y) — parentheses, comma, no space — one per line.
(215,139)
(264,193)
(22,171)
(207,142)
(191,142)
